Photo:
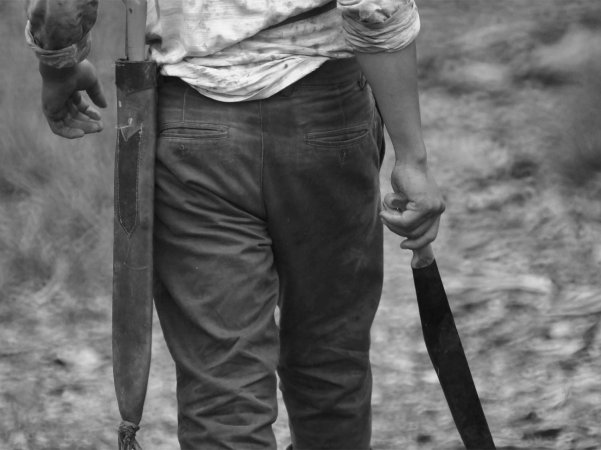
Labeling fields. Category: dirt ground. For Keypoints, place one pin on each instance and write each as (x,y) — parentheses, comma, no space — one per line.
(511,112)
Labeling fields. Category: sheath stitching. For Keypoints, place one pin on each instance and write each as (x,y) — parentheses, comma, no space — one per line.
(138,161)
(127,229)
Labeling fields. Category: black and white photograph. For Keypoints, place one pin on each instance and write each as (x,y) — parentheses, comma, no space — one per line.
(300,225)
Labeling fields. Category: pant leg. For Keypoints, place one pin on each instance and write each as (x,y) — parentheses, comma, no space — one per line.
(216,283)
(321,187)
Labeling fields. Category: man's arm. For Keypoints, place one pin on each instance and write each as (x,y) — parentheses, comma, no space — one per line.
(59,34)
(382,33)
(414,210)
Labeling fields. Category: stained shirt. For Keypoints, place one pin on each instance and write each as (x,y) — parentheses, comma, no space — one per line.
(233,50)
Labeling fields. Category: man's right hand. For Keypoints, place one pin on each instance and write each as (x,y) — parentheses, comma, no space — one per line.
(68,113)
(413,210)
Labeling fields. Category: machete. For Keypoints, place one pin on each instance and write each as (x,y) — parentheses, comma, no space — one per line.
(134,198)
(446,352)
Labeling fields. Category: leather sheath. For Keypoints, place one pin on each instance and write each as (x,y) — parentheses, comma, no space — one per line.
(133,231)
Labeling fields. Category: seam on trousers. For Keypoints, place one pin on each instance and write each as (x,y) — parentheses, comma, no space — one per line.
(341,106)
(184,104)
(261,191)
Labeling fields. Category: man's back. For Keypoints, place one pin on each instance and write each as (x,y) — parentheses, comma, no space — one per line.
(236,50)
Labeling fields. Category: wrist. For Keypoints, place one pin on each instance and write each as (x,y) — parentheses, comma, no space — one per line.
(52,73)
(411,155)
(65,57)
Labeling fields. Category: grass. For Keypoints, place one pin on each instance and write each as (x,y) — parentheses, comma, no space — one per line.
(56,195)
(55,254)
(513,128)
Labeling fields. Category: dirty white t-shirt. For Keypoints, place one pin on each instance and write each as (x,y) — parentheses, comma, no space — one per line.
(222,49)
(233,50)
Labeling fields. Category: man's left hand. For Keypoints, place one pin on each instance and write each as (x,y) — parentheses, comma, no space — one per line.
(68,113)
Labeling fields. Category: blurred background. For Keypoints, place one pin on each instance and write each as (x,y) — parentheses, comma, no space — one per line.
(511,106)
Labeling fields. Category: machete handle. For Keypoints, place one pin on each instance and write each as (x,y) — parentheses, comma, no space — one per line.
(135,30)
(422,257)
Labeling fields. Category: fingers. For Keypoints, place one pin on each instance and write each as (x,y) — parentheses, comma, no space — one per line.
(395,221)
(68,114)
(75,119)
(406,220)
(396,200)
(418,223)
(84,107)
(82,116)
(427,238)
(59,128)
(96,94)
(417,237)
(88,81)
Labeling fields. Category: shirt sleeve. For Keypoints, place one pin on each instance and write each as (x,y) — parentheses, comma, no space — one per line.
(59,31)
(379,25)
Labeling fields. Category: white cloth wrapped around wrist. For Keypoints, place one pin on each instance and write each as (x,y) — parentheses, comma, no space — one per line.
(61,58)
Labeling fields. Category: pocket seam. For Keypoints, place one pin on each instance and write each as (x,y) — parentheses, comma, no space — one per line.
(196,130)
(314,138)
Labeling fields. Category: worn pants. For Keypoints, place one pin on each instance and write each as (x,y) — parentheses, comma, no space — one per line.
(265,203)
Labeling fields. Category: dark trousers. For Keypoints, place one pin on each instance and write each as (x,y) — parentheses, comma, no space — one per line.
(265,203)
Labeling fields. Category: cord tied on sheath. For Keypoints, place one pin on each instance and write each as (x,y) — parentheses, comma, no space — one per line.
(127,436)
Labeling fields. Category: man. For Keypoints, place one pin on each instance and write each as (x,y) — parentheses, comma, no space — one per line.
(267,194)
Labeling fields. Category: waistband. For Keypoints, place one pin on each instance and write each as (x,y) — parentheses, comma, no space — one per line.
(332,72)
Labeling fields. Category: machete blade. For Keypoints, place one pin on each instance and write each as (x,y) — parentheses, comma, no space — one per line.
(449,360)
